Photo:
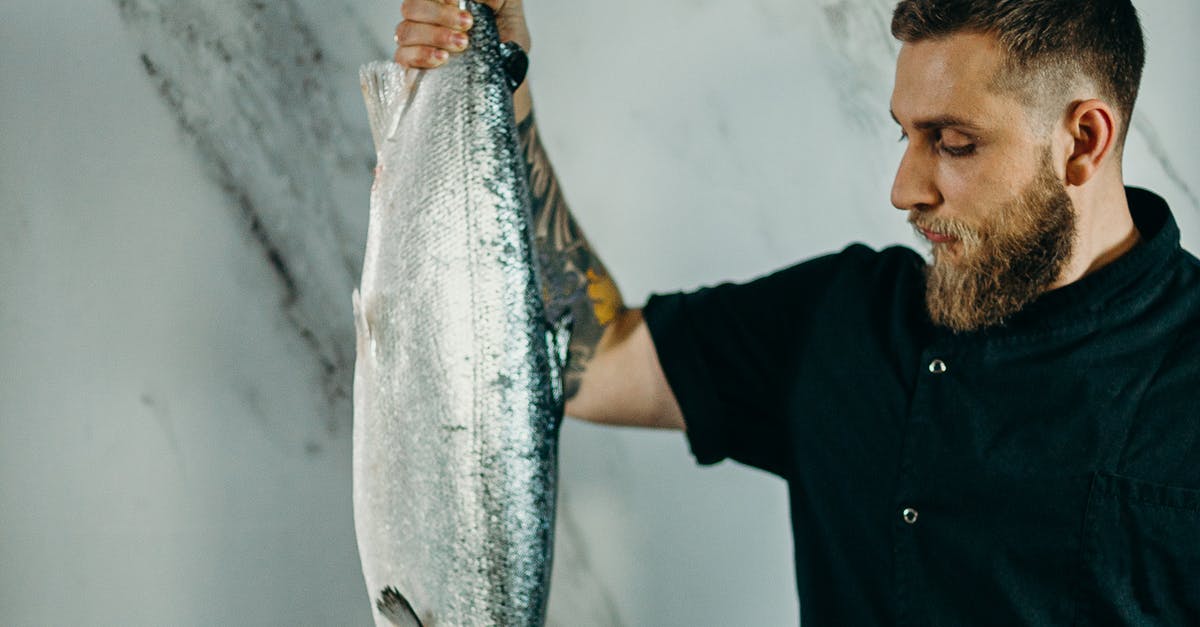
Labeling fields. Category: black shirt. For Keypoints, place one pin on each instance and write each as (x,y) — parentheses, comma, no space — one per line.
(1044,472)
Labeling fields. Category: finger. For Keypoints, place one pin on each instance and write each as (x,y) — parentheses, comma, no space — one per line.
(421,56)
(418,34)
(437,13)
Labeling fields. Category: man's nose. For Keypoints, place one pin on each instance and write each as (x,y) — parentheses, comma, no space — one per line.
(914,187)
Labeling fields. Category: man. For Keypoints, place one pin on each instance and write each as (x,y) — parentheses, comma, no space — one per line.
(1007,435)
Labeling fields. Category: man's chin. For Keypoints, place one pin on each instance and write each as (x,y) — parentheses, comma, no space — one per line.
(948,253)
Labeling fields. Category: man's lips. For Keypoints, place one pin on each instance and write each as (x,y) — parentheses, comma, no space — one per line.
(937,238)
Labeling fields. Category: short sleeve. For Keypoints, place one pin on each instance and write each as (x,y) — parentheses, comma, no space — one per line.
(728,351)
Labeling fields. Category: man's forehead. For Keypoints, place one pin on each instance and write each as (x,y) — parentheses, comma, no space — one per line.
(948,82)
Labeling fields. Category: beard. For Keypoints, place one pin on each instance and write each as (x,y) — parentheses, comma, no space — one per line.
(1015,254)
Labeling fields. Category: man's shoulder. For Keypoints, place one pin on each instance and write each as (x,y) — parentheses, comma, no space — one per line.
(1163,442)
(848,285)
(854,286)
(856,263)
(1179,311)
(1185,291)
(1191,264)
(893,256)
(864,253)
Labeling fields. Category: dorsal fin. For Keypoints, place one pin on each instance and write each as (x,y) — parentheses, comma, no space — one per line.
(396,608)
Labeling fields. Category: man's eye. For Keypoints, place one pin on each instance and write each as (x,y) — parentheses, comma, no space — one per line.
(959,151)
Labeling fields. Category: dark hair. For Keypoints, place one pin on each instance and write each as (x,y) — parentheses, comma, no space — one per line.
(1100,39)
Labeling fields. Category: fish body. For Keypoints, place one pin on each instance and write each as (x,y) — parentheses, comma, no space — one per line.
(457,395)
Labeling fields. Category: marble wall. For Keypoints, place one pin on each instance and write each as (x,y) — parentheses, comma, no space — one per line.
(182,211)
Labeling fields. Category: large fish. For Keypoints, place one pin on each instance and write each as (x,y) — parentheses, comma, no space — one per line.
(457,397)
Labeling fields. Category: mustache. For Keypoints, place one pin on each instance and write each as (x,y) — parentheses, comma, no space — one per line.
(946,226)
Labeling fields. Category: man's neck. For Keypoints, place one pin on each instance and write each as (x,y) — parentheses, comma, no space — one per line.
(1105,231)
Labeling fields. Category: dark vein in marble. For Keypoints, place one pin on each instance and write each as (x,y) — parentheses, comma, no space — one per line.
(259,96)
(1158,150)
(253,216)
(860,36)
(162,415)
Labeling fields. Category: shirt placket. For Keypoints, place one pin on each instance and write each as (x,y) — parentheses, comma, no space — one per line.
(934,374)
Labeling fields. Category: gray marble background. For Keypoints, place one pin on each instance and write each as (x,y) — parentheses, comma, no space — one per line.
(183,195)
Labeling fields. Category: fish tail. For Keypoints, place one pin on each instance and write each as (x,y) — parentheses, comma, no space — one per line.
(384,84)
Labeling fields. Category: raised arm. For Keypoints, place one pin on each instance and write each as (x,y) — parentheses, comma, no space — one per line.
(612,375)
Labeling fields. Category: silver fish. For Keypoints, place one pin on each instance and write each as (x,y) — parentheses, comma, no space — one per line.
(457,395)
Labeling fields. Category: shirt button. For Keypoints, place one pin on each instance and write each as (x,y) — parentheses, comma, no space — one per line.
(937,366)
(909,514)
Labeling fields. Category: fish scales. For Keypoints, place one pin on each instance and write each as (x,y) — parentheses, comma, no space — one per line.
(457,397)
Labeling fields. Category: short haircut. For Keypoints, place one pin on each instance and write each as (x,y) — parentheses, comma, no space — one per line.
(1048,42)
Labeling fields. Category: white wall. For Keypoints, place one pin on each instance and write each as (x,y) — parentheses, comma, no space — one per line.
(174,424)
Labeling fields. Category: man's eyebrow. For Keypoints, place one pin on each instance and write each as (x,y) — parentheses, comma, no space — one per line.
(939,122)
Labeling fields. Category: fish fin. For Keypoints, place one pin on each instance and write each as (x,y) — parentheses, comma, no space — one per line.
(362,332)
(396,608)
(387,88)
(558,340)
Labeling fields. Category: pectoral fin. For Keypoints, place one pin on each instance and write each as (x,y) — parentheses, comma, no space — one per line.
(396,608)
(558,342)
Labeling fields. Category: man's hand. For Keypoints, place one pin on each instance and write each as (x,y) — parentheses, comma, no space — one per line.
(432,29)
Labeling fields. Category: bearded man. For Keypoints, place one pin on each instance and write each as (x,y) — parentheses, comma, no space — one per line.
(1006,435)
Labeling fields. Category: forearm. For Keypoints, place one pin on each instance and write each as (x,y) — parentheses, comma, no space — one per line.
(574,280)
(522,105)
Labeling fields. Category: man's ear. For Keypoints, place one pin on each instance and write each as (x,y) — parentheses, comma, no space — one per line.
(1092,125)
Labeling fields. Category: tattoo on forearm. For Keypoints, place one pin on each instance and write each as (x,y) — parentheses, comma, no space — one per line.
(573,278)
